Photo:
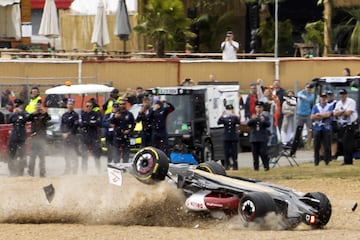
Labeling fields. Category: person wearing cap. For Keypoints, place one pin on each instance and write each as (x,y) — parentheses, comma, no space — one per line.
(34,99)
(346,113)
(108,132)
(230,136)
(158,115)
(123,123)
(258,124)
(39,122)
(69,128)
(321,116)
(89,127)
(303,111)
(16,147)
(114,97)
(229,47)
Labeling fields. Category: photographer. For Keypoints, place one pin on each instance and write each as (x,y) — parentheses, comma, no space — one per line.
(229,47)
(17,158)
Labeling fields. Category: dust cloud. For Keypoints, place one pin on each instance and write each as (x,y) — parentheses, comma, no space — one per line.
(90,199)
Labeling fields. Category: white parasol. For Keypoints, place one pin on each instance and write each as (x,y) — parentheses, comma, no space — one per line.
(100,35)
(49,25)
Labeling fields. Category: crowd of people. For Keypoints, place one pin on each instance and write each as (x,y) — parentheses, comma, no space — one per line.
(82,132)
(274,114)
(271,113)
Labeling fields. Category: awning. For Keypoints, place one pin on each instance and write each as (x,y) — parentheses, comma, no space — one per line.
(62,4)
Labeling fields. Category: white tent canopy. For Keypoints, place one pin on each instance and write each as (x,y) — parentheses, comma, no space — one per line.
(87,7)
(79,89)
(10,19)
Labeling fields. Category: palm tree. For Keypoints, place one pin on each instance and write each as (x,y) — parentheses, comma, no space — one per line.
(164,23)
(328,5)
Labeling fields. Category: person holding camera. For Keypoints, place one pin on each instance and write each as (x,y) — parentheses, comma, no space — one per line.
(259,135)
(229,47)
(321,116)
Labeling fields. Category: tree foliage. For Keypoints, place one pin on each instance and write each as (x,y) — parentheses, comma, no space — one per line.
(165,25)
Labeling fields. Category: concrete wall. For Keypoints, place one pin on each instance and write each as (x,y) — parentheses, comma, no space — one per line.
(294,72)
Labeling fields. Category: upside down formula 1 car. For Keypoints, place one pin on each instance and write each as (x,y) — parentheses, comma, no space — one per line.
(207,188)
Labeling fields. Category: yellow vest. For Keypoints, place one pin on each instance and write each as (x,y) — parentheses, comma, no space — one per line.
(109,105)
(30,108)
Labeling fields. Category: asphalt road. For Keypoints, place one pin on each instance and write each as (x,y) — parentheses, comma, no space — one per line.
(55,165)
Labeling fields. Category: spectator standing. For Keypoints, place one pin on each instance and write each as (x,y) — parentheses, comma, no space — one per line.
(34,99)
(123,123)
(321,117)
(69,128)
(345,111)
(16,148)
(114,97)
(305,101)
(258,124)
(229,47)
(108,132)
(6,102)
(140,94)
(158,115)
(289,112)
(39,122)
(331,100)
(146,121)
(269,109)
(250,102)
(230,136)
(280,93)
(346,72)
(90,132)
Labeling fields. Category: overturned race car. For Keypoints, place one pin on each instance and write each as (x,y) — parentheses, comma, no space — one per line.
(207,188)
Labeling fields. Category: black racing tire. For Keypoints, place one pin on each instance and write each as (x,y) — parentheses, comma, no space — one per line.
(212,167)
(255,205)
(150,164)
(324,208)
(207,152)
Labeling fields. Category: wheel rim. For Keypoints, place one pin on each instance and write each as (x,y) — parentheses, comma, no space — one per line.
(248,210)
(145,163)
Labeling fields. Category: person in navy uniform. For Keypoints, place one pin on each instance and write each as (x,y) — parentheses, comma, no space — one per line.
(108,131)
(259,134)
(39,121)
(230,136)
(158,114)
(90,135)
(16,147)
(321,116)
(69,128)
(123,123)
(144,118)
